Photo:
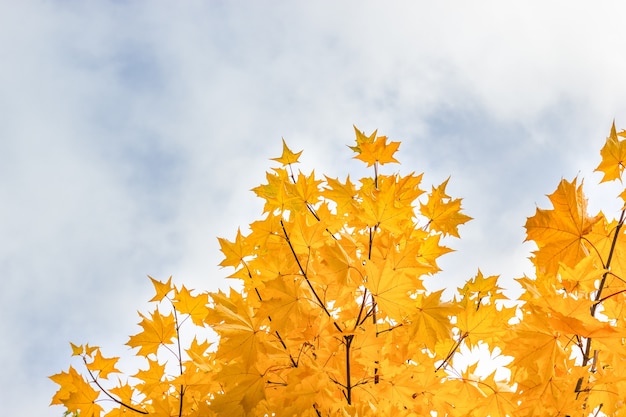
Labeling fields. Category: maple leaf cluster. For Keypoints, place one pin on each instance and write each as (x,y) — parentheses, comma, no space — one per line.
(333,317)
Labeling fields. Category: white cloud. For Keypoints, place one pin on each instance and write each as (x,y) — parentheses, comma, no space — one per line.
(132,134)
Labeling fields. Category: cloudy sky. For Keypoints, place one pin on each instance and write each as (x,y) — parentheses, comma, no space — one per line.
(132,132)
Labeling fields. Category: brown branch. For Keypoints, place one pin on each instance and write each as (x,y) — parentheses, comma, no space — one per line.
(348,340)
(306,277)
(180,361)
(620,223)
(376,175)
(599,299)
(108,394)
(358,317)
(280,339)
(452,351)
(388,330)
(598,295)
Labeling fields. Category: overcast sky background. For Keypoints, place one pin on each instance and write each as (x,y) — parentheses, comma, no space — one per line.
(132,132)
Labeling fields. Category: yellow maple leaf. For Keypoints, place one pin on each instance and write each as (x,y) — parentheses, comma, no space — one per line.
(560,233)
(484,322)
(161,288)
(306,188)
(197,350)
(285,301)
(76,394)
(499,400)
(378,152)
(443,213)
(242,337)
(152,379)
(194,305)
(277,191)
(234,252)
(124,393)
(288,157)
(104,366)
(582,278)
(416,254)
(157,330)
(431,319)
(65,380)
(342,194)
(243,389)
(613,156)
(481,289)
(380,208)
(391,289)
(77,350)
(361,139)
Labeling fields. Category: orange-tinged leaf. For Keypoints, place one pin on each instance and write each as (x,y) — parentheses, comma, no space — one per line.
(305,233)
(481,285)
(613,156)
(288,157)
(559,233)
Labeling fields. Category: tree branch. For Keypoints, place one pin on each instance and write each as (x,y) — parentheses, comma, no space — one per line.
(306,277)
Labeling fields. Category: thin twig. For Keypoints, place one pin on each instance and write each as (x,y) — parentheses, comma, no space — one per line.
(306,277)
(180,361)
(108,394)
